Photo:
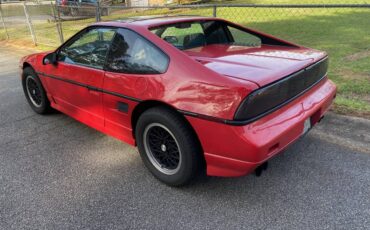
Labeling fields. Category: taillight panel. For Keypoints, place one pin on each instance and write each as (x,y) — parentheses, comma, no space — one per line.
(271,97)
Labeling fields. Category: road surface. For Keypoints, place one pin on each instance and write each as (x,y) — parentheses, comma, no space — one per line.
(56,173)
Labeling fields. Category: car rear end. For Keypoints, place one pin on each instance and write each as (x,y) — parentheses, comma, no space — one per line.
(293,91)
(267,121)
(293,95)
(63,6)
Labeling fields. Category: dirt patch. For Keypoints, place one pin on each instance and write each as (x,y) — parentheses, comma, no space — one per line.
(357,56)
(349,74)
(350,112)
(20,46)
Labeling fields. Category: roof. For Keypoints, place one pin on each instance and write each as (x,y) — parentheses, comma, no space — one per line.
(155,20)
(156,17)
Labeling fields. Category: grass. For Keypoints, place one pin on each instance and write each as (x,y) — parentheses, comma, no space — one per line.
(343,33)
(291,1)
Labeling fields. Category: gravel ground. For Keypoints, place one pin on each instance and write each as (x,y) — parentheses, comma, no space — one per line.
(56,173)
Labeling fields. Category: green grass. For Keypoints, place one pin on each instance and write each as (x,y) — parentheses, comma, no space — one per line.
(17,9)
(291,1)
(343,33)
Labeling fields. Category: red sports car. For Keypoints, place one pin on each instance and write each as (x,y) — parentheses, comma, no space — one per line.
(192,93)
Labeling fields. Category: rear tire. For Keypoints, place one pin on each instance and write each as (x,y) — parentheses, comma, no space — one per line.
(34,91)
(168,146)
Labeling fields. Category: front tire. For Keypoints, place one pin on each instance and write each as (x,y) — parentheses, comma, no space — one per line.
(34,91)
(168,146)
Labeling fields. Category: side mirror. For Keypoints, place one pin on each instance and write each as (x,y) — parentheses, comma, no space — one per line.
(50,58)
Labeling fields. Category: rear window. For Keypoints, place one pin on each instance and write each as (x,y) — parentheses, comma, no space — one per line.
(183,35)
(244,39)
(187,35)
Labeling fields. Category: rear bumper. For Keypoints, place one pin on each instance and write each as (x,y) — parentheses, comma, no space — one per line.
(238,150)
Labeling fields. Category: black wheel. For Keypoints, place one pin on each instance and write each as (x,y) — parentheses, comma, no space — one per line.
(34,91)
(168,146)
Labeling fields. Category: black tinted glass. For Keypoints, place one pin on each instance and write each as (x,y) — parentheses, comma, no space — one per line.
(88,49)
(272,96)
(242,38)
(215,32)
(131,53)
(202,33)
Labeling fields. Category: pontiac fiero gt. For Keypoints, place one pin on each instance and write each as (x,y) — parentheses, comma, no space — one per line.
(192,93)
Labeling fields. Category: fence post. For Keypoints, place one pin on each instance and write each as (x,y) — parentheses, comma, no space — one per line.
(29,24)
(3,22)
(60,24)
(57,23)
(98,15)
(214,11)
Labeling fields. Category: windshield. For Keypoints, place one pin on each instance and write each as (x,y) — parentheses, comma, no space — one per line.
(187,35)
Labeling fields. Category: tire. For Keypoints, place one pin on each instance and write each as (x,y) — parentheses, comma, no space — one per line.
(34,91)
(168,146)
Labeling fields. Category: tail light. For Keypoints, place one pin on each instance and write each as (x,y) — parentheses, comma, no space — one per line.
(271,97)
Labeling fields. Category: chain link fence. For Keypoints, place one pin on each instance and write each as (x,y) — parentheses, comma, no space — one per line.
(341,30)
(48,24)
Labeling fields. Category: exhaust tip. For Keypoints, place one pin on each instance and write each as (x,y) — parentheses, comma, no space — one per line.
(263,167)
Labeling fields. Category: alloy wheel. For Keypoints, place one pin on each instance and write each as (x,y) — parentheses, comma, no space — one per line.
(33,91)
(162,148)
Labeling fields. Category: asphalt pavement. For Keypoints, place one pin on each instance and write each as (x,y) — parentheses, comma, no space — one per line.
(56,173)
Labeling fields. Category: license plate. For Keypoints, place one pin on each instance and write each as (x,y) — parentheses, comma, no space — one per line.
(306,126)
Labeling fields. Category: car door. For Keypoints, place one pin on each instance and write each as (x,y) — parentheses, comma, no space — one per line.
(75,81)
(133,66)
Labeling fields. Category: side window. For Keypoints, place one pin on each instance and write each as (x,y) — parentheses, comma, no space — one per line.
(131,53)
(243,38)
(89,49)
(215,32)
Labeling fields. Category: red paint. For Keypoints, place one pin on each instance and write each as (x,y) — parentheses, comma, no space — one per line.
(261,65)
(210,81)
(237,150)
(75,100)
